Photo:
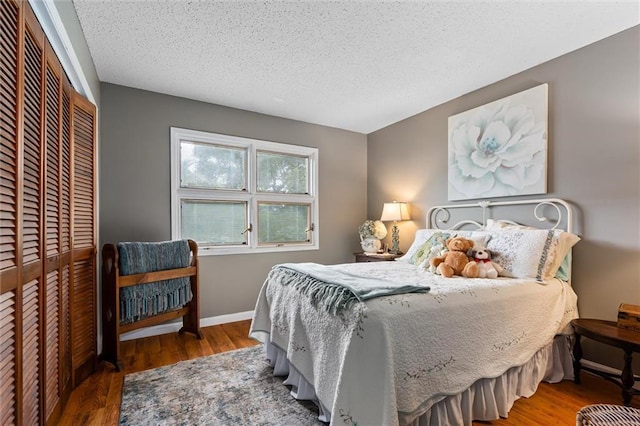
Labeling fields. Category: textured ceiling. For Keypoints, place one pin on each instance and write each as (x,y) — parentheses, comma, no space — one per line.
(352,65)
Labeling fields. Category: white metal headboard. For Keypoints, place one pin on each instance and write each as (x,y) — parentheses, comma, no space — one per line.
(438,216)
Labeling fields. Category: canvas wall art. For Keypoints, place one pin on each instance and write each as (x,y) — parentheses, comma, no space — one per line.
(500,149)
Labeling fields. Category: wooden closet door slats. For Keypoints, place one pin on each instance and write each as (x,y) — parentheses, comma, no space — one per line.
(7,358)
(83,178)
(10,75)
(32,144)
(8,134)
(65,244)
(52,135)
(65,177)
(83,297)
(52,315)
(30,353)
(47,279)
(52,348)
(65,331)
(83,327)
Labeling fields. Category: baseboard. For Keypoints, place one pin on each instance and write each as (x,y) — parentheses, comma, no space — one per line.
(605,368)
(173,327)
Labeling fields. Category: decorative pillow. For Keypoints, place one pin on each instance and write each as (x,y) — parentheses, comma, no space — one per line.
(530,253)
(422,235)
(431,248)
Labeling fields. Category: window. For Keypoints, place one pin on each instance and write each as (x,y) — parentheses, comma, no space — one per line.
(235,195)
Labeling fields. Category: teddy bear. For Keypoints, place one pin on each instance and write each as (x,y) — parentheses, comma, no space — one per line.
(455,261)
(486,268)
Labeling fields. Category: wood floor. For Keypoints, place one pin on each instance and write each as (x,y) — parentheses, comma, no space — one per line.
(97,400)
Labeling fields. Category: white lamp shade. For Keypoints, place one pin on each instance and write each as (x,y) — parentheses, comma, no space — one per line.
(394,212)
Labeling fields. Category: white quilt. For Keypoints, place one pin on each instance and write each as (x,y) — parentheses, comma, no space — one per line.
(389,359)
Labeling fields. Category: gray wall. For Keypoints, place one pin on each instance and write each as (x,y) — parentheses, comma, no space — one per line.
(135,184)
(594,162)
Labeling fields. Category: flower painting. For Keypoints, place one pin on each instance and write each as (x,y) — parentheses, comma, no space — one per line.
(500,149)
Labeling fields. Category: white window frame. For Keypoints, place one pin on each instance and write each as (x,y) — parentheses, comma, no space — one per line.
(251,196)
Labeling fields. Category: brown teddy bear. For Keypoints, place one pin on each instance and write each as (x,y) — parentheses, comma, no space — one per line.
(455,261)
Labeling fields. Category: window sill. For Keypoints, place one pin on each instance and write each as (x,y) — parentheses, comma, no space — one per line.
(220,251)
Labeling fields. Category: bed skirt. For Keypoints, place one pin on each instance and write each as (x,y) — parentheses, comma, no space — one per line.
(487,399)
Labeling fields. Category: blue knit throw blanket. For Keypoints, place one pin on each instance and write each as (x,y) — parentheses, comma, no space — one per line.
(334,290)
(145,300)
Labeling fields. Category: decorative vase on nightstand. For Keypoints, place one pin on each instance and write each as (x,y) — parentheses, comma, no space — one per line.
(371,233)
(371,245)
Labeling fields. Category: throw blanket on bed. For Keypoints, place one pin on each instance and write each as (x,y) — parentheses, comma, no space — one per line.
(335,290)
(141,301)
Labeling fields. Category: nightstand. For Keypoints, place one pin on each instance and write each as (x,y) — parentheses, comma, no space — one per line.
(609,333)
(383,257)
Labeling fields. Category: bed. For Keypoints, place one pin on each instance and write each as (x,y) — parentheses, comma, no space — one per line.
(441,351)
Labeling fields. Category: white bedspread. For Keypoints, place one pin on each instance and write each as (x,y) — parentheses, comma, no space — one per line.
(395,356)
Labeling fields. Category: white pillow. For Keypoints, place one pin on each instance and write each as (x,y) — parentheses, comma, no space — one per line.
(493,224)
(479,238)
(564,269)
(530,253)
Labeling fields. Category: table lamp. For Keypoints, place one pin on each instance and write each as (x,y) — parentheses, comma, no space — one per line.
(395,212)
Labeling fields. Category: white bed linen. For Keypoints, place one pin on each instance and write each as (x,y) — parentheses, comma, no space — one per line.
(487,399)
(392,358)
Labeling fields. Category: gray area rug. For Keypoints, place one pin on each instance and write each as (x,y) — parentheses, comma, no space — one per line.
(231,388)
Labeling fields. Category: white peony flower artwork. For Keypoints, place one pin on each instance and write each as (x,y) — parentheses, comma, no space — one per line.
(500,149)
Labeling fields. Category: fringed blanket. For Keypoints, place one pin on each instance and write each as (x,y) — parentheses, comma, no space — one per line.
(144,300)
(334,290)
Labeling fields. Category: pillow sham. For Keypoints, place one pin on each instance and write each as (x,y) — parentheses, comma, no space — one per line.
(530,253)
(564,270)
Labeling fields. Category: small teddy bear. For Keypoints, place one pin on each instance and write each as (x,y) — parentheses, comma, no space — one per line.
(455,261)
(486,268)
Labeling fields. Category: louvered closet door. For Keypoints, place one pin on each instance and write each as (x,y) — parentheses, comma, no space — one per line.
(52,307)
(8,212)
(32,207)
(83,296)
(65,244)
(47,239)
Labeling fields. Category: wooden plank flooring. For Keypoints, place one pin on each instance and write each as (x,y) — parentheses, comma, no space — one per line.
(97,400)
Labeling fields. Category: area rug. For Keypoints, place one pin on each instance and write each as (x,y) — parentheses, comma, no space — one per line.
(232,388)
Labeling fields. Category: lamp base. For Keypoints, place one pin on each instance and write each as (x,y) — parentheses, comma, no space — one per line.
(395,239)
